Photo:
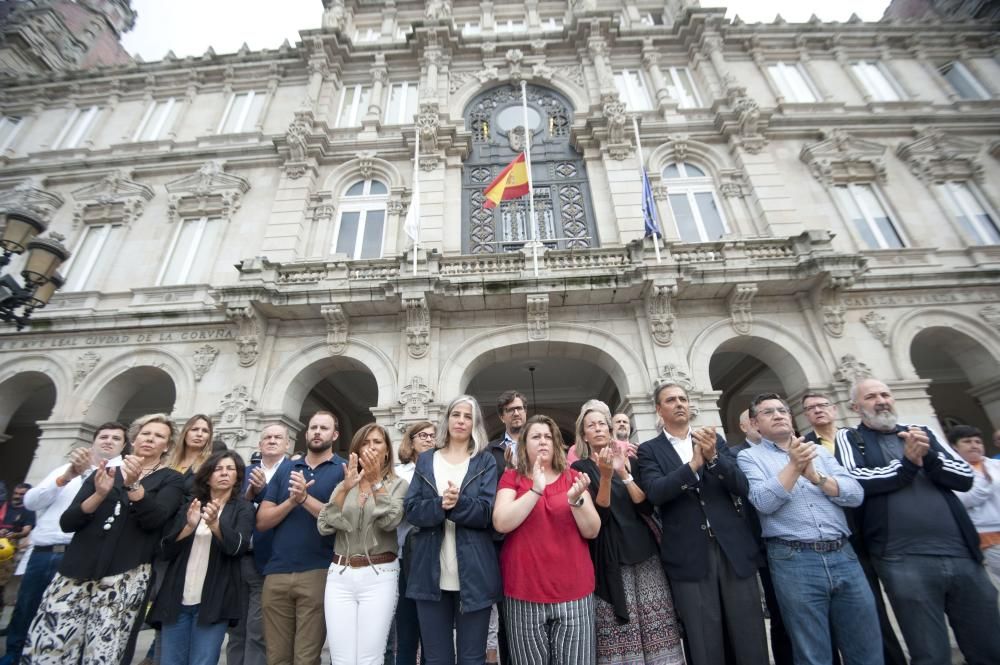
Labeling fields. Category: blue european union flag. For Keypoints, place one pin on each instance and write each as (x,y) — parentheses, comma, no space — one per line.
(649,216)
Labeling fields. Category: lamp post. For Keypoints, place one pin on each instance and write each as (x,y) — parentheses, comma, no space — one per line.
(41,279)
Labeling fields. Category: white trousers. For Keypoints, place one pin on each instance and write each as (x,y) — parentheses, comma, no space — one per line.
(359,605)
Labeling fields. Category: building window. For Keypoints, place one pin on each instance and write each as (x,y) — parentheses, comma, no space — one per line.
(878,82)
(402,105)
(192,251)
(94,255)
(649,18)
(510,25)
(694,204)
(633,90)
(367,35)
(242,112)
(792,83)
(472,28)
(9,126)
(864,208)
(76,128)
(159,116)
(361,226)
(970,213)
(963,82)
(681,88)
(353,105)
(552,24)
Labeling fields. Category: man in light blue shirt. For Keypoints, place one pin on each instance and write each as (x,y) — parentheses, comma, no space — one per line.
(800,491)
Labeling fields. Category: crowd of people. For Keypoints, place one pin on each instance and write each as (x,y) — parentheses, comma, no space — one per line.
(453,549)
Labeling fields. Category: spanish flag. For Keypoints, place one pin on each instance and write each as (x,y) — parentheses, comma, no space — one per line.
(510,184)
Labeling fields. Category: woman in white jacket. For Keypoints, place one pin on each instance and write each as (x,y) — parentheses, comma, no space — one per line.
(983,500)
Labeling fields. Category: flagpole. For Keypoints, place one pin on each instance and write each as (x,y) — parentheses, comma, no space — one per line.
(642,179)
(531,190)
(416,198)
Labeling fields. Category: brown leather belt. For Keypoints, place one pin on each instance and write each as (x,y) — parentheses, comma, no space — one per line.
(361,560)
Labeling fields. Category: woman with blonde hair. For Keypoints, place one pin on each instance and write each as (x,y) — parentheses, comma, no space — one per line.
(90,612)
(548,577)
(193,447)
(449,502)
(634,610)
(362,583)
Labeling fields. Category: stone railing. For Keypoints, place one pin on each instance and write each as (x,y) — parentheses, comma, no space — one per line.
(482,264)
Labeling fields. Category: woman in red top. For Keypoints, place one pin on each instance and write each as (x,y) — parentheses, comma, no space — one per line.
(548,577)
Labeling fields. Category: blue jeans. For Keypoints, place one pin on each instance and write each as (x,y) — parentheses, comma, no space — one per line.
(42,567)
(187,643)
(407,627)
(443,628)
(820,591)
(923,589)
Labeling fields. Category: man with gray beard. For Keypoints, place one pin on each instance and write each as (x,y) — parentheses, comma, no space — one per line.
(922,542)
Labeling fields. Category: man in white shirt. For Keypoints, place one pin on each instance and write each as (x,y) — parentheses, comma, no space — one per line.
(49,499)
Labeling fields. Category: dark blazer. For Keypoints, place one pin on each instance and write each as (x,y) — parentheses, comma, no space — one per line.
(221,595)
(686,501)
(499,455)
(478,568)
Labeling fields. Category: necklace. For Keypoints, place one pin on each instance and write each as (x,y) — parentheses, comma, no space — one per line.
(146,472)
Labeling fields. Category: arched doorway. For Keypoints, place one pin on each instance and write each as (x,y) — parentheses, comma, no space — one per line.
(744,367)
(956,365)
(135,392)
(564,216)
(28,399)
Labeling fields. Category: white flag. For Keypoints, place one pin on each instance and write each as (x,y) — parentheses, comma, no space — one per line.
(412,222)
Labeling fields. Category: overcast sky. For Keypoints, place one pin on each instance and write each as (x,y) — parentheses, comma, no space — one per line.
(189,27)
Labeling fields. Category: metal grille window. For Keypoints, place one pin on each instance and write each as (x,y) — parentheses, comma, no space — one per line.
(159,116)
(192,249)
(970,212)
(792,83)
(871,221)
(361,224)
(693,203)
(242,112)
(76,128)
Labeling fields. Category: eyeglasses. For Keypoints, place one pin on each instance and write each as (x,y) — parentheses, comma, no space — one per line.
(780,410)
(426,436)
(513,409)
(818,407)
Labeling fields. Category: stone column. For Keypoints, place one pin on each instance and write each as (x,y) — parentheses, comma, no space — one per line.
(55,442)
(712,47)
(651,61)
(318,71)
(598,50)
(380,76)
(817,80)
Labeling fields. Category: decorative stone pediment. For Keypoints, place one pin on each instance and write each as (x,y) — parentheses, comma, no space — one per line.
(209,191)
(114,198)
(936,156)
(29,198)
(842,158)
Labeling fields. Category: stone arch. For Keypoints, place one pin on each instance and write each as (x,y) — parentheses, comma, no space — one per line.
(16,381)
(980,357)
(107,389)
(687,150)
(573,93)
(285,390)
(18,390)
(362,168)
(598,346)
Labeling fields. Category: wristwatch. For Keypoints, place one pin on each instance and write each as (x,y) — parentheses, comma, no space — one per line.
(628,480)
(133,487)
(578,503)
(820,479)
(377,486)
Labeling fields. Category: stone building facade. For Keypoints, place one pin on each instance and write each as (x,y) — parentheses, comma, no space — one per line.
(827,193)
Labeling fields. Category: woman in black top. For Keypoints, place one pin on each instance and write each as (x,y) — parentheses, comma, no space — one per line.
(90,612)
(635,618)
(200,596)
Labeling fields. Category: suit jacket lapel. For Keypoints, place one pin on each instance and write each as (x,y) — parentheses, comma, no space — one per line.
(666,452)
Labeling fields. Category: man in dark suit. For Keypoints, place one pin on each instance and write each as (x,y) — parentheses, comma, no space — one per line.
(708,551)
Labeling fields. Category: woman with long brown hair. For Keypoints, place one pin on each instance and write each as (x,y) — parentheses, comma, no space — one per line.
(193,447)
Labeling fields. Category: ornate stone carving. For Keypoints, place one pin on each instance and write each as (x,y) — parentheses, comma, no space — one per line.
(538,316)
(334,16)
(514,59)
(415,396)
(418,326)
(249,333)
(337,325)
(297,133)
(614,112)
(732,184)
(674,374)
(936,156)
(84,365)
(842,158)
(366,164)
(834,318)
(991,315)
(28,197)
(209,191)
(659,311)
(748,117)
(233,409)
(204,358)
(428,124)
(574,74)
(851,370)
(739,302)
(437,10)
(877,326)
(114,198)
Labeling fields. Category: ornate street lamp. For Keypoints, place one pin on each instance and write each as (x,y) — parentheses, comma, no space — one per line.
(41,280)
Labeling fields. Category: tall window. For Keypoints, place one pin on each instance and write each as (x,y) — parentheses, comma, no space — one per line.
(367,35)
(863,206)
(693,203)
(963,82)
(159,116)
(510,25)
(9,126)
(192,250)
(681,88)
(471,28)
(879,83)
(970,213)
(76,128)
(552,24)
(353,105)
(633,91)
(402,106)
(651,19)
(242,112)
(792,82)
(93,257)
(361,227)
